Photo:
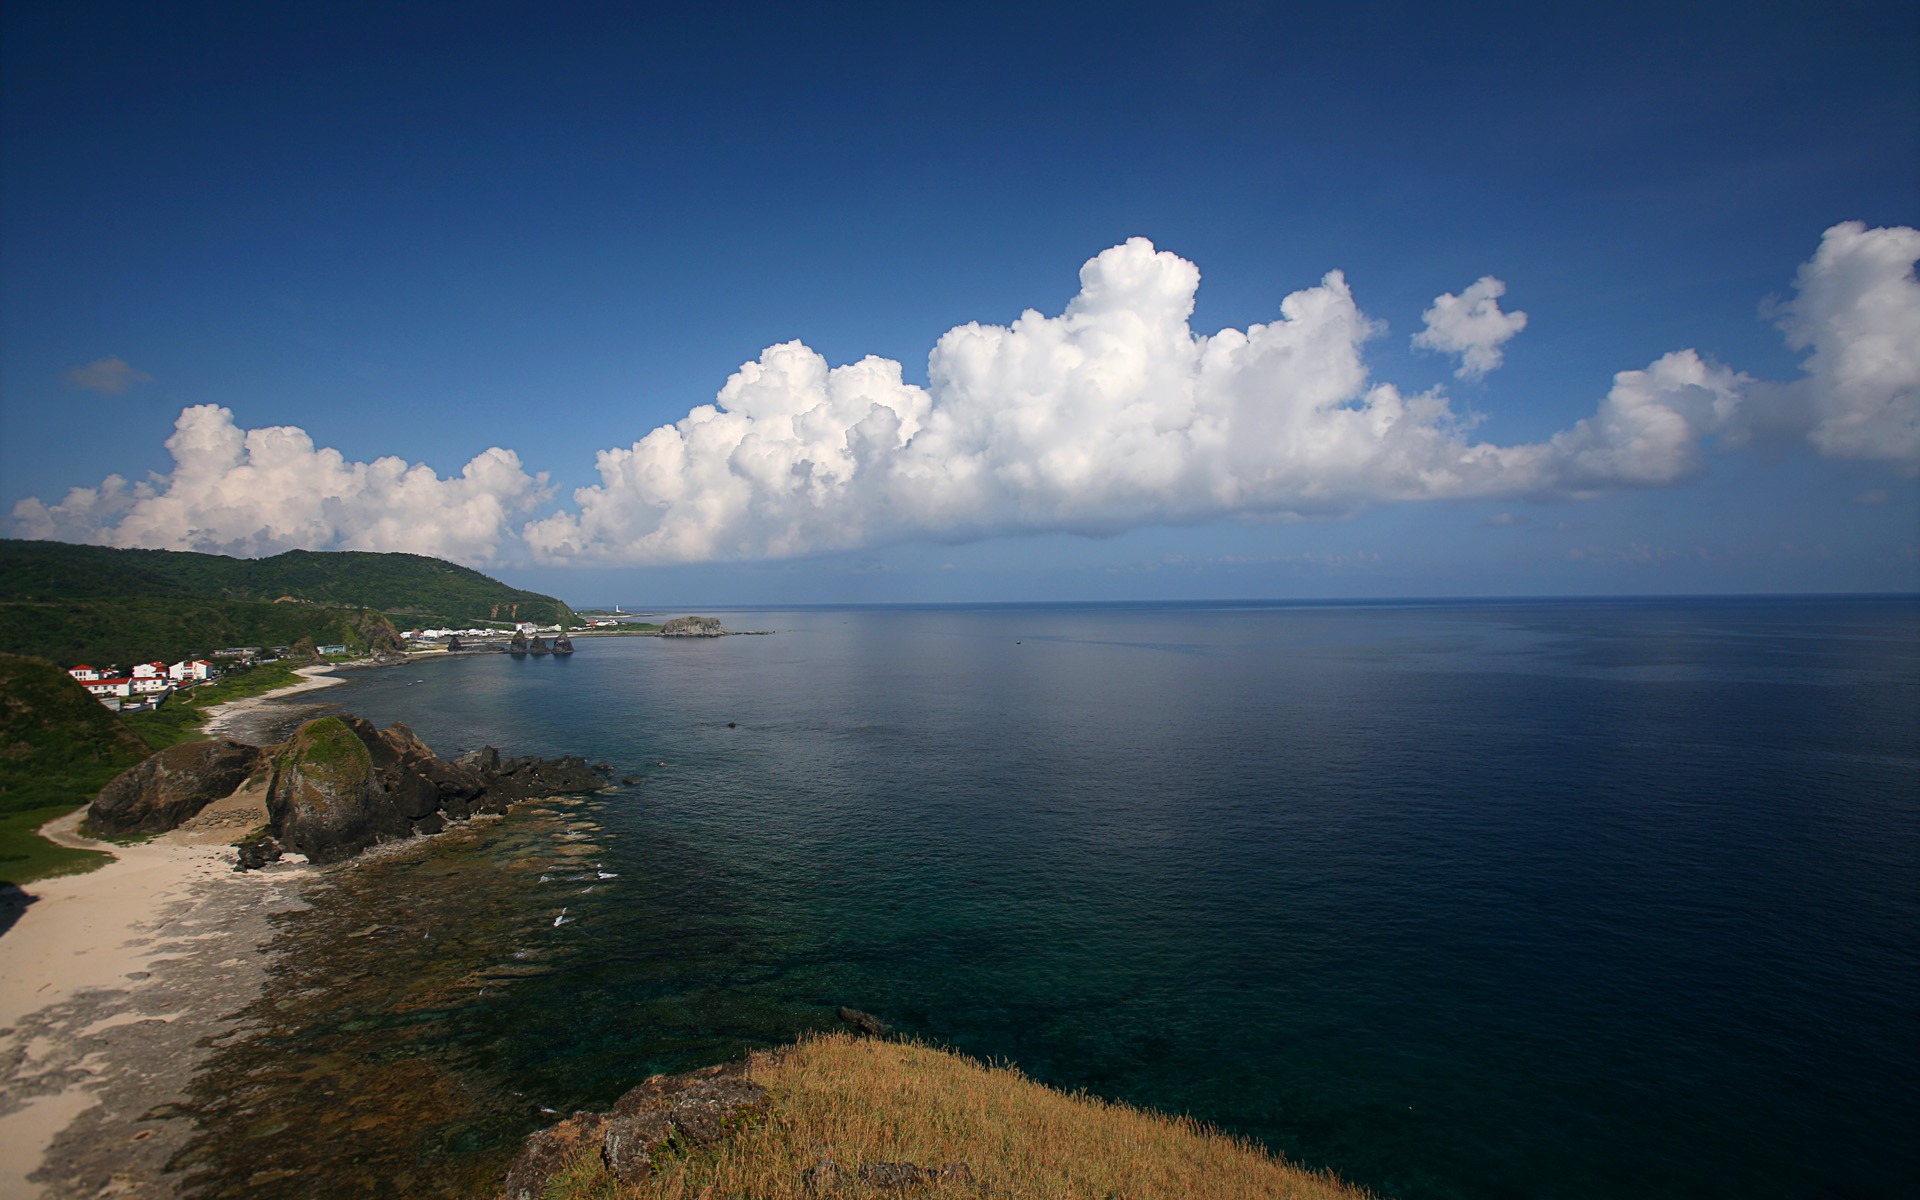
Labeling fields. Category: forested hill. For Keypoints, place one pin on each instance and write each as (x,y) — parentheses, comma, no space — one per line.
(404,586)
(70,602)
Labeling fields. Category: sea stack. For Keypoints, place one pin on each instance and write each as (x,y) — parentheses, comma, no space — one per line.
(538,646)
(563,645)
(519,643)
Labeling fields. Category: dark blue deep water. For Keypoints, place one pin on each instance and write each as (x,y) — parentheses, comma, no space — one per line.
(1571,898)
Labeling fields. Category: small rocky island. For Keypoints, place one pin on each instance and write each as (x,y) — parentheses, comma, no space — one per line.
(336,787)
(693,627)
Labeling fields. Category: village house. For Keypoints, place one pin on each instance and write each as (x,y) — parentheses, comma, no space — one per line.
(150,681)
(119,687)
(197,670)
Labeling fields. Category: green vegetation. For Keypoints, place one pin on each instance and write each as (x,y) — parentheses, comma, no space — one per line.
(146,628)
(327,748)
(102,605)
(58,748)
(856,1101)
(412,587)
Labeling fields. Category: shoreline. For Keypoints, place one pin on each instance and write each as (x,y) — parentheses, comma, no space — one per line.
(117,984)
(224,718)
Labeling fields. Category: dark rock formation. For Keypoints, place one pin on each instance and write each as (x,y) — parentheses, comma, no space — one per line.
(563,645)
(255,853)
(527,778)
(453,644)
(865,1022)
(682,1111)
(693,627)
(537,646)
(171,786)
(341,785)
(519,643)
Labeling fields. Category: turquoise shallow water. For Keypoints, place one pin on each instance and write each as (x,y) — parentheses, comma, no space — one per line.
(1573,898)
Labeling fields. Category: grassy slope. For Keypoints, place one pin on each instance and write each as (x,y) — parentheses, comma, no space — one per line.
(58,748)
(866,1101)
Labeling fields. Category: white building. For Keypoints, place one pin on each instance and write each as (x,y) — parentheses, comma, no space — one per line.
(151,685)
(150,670)
(121,687)
(195,669)
(84,673)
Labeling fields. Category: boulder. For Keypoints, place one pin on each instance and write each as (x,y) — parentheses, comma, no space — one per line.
(255,853)
(171,786)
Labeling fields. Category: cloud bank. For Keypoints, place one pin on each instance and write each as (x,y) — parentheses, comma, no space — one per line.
(1113,414)
(257,492)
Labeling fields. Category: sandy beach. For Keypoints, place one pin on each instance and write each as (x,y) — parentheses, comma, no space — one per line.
(116,984)
(240,719)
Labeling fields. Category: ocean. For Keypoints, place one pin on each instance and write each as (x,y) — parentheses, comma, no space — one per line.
(1573,898)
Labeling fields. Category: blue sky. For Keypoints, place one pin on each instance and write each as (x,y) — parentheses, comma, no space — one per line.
(426,231)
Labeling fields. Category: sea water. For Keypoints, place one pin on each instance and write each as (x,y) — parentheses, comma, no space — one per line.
(1569,898)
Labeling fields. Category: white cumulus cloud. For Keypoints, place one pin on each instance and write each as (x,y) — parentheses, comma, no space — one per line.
(250,492)
(1471,327)
(1857,308)
(1113,414)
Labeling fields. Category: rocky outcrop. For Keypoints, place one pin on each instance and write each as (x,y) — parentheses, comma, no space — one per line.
(323,800)
(340,785)
(693,627)
(865,1022)
(171,786)
(680,1112)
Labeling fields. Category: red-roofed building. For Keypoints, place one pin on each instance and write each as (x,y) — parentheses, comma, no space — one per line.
(83,673)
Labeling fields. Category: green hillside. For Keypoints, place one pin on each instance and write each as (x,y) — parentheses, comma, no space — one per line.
(411,588)
(144,628)
(58,747)
(102,605)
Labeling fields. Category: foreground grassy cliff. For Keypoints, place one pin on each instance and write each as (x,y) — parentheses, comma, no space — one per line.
(81,603)
(837,1104)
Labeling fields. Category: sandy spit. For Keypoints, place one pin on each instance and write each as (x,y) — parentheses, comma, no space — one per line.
(231,720)
(114,987)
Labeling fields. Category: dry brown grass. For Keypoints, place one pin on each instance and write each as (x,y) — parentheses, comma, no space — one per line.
(863,1101)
